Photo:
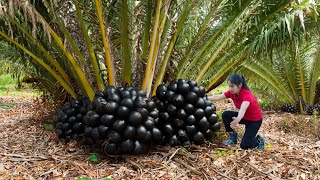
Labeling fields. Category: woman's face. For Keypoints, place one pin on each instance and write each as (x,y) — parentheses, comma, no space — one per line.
(234,89)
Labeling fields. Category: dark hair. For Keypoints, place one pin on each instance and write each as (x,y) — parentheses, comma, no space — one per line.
(238,79)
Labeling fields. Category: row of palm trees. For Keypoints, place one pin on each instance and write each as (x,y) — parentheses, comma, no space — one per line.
(79,46)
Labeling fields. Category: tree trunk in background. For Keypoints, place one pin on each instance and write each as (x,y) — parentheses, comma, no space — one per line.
(220,81)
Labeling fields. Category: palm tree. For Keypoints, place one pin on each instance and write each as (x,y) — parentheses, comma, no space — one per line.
(84,45)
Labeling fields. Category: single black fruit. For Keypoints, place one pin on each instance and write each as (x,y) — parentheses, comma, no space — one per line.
(156,135)
(141,133)
(95,133)
(135,118)
(151,105)
(186,144)
(213,119)
(99,104)
(191,130)
(208,134)
(161,91)
(140,102)
(107,119)
(154,114)
(103,130)
(181,114)
(202,91)
(203,124)
(77,127)
(149,123)
(111,148)
(127,146)
(66,126)
(125,94)
(141,93)
(174,141)
(138,148)
(169,96)
(182,135)
(143,111)
(178,122)
(68,132)
(71,112)
(191,120)
(178,100)
(111,107)
(216,126)
(183,88)
(129,132)
(72,120)
(192,83)
(168,129)
(87,131)
(191,97)
(114,137)
(173,86)
(127,102)
(181,81)
(59,125)
(200,103)
(199,113)
(133,94)
(160,105)
(114,98)
(198,138)
(164,117)
(188,108)
(195,90)
(128,88)
(123,112)
(79,117)
(172,110)
(119,125)
(109,91)
(208,111)
(147,138)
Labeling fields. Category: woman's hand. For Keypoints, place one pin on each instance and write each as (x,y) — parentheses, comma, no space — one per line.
(235,122)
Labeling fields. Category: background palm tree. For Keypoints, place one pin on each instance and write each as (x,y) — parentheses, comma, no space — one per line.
(79,46)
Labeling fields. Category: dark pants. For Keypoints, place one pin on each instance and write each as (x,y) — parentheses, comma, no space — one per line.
(249,139)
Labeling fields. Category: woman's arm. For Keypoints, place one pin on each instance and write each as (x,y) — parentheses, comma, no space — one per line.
(242,111)
(217,97)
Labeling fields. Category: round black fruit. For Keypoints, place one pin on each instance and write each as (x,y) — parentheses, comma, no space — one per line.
(95,133)
(156,135)
(114,98)
(191,130)
(114,137)
(183,88)
(127,102)
(199,113)
(111,107)
(141,133)
(203,125)
(188,108)
(71,111)
(72,120)
(213,119)
(200,103)
(143,111)
(216,126)
(103,130)
(168,129)
(178,100)
(149,123)
(150,105)
(160,105)
(201,92)
(154,114)
(169,96)
(66,126)
(111,148)
(172,110)
(192,83)
(125,94)
(138,148)
(119,125)
(129,132)
(182,135)
(198,138)
(191,97)
(191,120)
(77,127)
(173,86)
(127,146)
(181,114)
(208,111)
(123,112)
(208,134)
(174,141)
(161,91)
(107,119)
(135,118)
(164,117)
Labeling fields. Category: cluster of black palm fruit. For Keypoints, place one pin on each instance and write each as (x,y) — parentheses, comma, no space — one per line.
(186,115)
(300,104)
(69,119)
(287,107)
(314,109)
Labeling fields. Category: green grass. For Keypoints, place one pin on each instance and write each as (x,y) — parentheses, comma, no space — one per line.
(8,88)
